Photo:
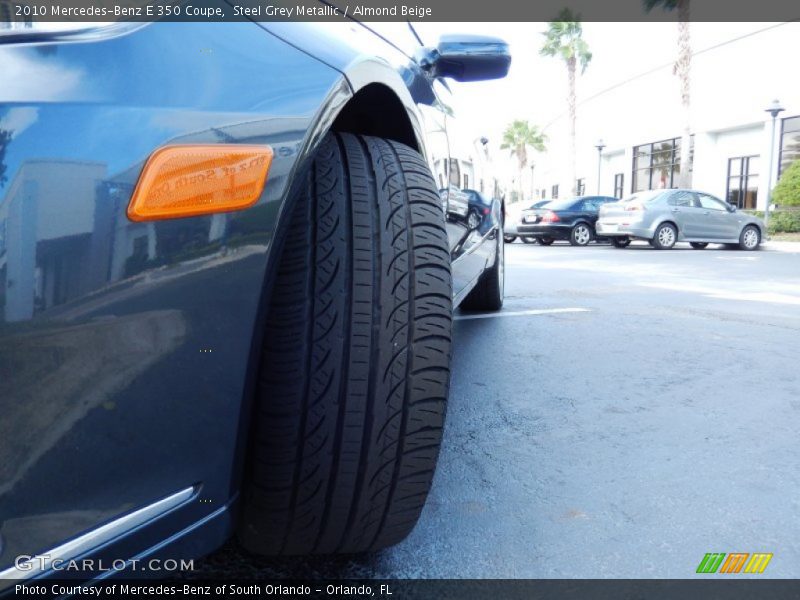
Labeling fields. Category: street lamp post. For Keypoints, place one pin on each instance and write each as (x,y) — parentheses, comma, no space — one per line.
(774,109)
(533,194)
(599,145)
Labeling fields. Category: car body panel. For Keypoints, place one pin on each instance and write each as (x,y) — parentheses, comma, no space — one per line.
(583,209)
(699,217)
(128,350)
(513,220)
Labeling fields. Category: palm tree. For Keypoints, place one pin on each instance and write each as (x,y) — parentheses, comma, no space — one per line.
(563,39)
(517,137)
(682,70)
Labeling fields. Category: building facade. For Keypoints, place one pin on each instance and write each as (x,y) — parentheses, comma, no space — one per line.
(641,121)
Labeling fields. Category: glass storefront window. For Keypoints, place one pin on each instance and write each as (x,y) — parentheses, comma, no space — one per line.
(742,190)
(657,165)
(619,185)
(790,143)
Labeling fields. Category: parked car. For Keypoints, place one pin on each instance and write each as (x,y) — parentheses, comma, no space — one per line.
(480,206)
(227,287)
(510,229)
(664,217)
(456,203)
(571,219)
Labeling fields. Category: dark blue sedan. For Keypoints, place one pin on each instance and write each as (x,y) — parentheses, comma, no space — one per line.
(572,219)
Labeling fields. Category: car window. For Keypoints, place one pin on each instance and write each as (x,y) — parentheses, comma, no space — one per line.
(711,203)
(644,197)
(685,199)
(591,204)
(568,204)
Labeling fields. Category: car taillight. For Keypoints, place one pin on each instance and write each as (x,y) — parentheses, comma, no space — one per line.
(634,206)
(550,217)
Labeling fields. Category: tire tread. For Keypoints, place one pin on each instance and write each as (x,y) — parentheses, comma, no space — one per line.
(356,362)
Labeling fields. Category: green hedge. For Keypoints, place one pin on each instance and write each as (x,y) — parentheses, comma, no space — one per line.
(787,192)
(780,221)
(784,221)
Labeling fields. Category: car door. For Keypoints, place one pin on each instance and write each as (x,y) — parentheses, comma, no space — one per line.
(591,206)
(467,248)
(721,224)
(685,211)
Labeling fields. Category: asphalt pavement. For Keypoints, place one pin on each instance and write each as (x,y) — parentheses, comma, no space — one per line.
(627,412)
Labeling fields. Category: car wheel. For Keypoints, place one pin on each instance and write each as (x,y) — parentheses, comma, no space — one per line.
(509,239)
(621,242)
(474,220)
(581,235)
(545,241)
(355,364)
(665,237)
(750,238)
(698,245)
(489,292)
(528,240)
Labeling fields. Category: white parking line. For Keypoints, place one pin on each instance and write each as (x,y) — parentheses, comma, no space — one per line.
(709,292)
(522,313)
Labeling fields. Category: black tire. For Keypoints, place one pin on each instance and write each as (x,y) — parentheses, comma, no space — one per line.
(662,240)
(473,219)
(699,245)
(528,239)
(581,234)
(509,239)
(356,361)
(620,241)
(750,238)
(545,241)
(489,292)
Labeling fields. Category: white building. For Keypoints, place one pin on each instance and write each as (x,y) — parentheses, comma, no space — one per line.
(641,121)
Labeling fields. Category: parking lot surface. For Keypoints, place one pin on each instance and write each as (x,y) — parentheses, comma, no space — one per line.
(650,418)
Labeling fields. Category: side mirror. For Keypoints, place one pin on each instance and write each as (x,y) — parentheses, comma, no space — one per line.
(732,208)
(467,58)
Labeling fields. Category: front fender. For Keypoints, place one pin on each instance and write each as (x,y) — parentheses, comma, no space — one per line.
(125,347)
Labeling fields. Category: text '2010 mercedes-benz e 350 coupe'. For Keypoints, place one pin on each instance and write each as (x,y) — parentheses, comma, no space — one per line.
(227,279)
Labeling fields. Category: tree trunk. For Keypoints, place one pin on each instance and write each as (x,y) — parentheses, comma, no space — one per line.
(522,160)
(571,64)
(682,70)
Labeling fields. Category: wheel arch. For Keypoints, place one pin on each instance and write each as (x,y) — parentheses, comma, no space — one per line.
(761,231)
(668,222)
(376,110)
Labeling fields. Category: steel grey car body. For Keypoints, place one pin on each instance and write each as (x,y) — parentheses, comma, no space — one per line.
(698,217)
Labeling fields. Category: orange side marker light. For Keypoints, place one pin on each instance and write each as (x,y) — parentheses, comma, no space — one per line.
(190,180)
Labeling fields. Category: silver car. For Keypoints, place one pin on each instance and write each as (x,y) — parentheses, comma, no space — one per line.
(664,217)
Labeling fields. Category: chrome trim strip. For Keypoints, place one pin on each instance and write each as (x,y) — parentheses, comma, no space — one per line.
(97,537)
